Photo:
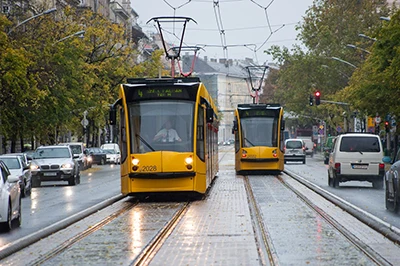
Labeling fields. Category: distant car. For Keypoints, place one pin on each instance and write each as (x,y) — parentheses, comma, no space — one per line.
(78,148)
(328,148)
(356,156)
(295,150)
(309,147)
(10,199)
(18,168)
(55,163)
(99,156)
(113,152)
(113,156)
(392,185)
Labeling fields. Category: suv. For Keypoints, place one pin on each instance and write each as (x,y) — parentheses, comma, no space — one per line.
(54,163)
(356,156)
(295,150)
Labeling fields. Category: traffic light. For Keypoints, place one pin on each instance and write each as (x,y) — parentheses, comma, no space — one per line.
(387,127)
(317,98)
(311,100)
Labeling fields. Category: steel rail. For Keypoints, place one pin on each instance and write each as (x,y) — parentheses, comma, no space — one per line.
(265,246)
(147,254)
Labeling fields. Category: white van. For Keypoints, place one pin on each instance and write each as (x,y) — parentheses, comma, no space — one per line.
(356,156)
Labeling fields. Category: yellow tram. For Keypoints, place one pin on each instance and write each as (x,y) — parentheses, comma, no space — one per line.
(168,136)
(259,139)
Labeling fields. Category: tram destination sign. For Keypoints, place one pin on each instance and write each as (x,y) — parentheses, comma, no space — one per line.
(258,113)
(168,92)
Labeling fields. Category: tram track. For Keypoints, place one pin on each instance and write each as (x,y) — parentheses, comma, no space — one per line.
(374,256)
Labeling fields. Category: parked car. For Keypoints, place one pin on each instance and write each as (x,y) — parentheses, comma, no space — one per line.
(99,156)
(356,156)
(328,148)
(78,148)
(295,150)
(55,163)
(392,185)
(19,168)
(10,199)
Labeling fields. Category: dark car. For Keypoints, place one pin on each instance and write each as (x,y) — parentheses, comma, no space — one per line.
(328,149)
(99,156)
(392,185)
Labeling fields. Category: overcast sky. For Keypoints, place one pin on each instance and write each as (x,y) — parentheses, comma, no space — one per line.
(246,24)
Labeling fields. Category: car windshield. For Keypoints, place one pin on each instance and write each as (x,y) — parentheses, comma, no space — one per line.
(76,149)
(162,125)
(110,151)
(45,153)
(360,144)
(12,163)
(294,145)
(259,131)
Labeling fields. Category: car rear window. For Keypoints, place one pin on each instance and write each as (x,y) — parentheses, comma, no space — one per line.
(294,145)
(360,144)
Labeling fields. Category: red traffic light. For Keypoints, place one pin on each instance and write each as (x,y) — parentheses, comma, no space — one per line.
(317,94)
(386,123)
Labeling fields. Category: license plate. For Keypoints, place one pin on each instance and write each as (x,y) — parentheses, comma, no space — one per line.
(49,174)
(360,166)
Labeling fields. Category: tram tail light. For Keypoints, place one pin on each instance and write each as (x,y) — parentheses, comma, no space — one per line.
(189,162)
(274,153)
(135,163)
(244,154)
(337,168)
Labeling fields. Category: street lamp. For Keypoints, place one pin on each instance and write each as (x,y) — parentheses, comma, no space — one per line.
(343,61)
(35,16)
(367,37)
(359,48)
(78,33)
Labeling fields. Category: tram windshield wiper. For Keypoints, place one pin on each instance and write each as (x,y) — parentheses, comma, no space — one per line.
(145,142)
(249,142)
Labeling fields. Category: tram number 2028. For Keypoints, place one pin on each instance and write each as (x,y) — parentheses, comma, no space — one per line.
(149,168)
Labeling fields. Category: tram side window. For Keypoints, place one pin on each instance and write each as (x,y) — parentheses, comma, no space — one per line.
(200,134)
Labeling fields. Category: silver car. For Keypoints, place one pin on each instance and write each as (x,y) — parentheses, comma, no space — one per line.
(19,169)
(54,163)
(10,199)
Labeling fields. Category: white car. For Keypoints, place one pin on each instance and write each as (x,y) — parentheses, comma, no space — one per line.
(356,156)
(18,168)
(10,199)
(113,157)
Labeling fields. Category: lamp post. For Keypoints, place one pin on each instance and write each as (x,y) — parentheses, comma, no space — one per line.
(359,48)
(35,16)
(343,61)
(78,33)
(367,37)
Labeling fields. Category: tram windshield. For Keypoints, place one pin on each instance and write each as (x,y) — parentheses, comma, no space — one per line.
(259,131)
(165,125)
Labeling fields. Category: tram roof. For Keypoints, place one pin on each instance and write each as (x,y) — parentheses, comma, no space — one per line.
(259,106)
(164,80)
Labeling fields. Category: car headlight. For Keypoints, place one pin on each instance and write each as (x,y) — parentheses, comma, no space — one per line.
(34,167)
(89,159)
(66,166)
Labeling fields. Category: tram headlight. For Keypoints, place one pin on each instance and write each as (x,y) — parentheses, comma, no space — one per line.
(189,162)
(135,163)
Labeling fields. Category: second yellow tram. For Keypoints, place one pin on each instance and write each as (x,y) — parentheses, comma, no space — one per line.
(168,136)
(259,139)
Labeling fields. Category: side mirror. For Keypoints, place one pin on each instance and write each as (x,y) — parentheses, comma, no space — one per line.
(387,159)
(235,125)
(12,179)
(209,115)
(112,116)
